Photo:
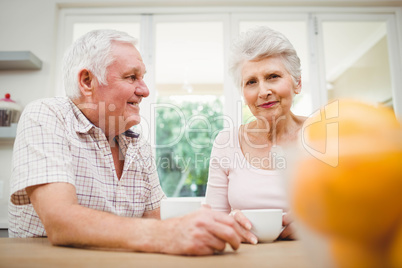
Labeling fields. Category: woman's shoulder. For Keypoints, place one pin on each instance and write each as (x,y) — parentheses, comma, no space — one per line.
(227,137)
(301,119)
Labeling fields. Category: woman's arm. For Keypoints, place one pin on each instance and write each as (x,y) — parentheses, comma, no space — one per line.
(217,187)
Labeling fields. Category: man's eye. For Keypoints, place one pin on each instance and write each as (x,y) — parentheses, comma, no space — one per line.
(133,77)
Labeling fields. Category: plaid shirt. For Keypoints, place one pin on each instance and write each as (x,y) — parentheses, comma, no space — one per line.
(57,143)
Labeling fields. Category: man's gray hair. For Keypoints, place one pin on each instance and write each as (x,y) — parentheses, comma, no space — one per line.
(91,51)
(262,42)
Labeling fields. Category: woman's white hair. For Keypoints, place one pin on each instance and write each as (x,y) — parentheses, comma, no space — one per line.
(262,42)
(91,51)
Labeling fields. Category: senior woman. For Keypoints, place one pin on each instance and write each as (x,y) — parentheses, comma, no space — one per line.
(245,163)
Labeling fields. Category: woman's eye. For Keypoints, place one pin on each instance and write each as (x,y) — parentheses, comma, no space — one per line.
(250,82)
(273,76)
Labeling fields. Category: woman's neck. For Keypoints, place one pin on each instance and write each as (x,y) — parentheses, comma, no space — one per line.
(275,131)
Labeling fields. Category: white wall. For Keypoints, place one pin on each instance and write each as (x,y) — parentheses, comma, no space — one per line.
(28,25)
(25,25)
(32,25)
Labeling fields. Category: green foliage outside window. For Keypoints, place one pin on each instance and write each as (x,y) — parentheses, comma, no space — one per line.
(185,132)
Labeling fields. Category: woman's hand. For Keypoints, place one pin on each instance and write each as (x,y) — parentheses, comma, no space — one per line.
(246,224)
(289,232)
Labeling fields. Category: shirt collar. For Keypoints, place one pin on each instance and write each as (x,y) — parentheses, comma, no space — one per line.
(130,133)
(83,125)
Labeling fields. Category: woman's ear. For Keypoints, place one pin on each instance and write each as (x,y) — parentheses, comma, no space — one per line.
(86,82)
(298,86)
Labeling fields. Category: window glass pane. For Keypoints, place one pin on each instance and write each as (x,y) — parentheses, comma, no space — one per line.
(189,88)
(296,32)
(356,61)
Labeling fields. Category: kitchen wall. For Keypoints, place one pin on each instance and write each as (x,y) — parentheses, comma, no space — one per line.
(25,25)
(32,25)
(28,25)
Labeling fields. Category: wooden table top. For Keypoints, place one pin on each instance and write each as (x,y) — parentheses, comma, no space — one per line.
(38,252)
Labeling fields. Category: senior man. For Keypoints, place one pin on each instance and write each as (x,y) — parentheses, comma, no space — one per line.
(83,177)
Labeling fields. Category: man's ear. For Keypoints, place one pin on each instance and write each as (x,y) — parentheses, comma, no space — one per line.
(86,82)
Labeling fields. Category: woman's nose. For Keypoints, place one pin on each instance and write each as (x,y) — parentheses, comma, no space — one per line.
(264,91)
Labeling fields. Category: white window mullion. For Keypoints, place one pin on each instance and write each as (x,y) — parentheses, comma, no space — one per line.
(231,92)
(317,65)
(395,58)
(147,45)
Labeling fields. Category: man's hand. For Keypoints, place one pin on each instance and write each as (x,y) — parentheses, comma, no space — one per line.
(202,232)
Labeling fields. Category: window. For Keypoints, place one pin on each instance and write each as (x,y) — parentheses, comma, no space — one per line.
(189,66)
(192,95)
(357,61)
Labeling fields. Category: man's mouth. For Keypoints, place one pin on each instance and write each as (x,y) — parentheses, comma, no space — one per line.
(134,103)
(268,104)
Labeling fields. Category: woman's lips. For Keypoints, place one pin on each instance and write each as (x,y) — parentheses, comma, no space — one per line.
(268,104)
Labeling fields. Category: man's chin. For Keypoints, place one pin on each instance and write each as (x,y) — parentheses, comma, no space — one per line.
(130,122)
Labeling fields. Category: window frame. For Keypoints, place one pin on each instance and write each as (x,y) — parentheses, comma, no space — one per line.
(393,16)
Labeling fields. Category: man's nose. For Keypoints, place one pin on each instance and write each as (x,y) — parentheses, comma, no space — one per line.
(142,89)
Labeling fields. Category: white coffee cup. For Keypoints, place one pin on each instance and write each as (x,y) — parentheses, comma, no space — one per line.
(179,206)
(266,223)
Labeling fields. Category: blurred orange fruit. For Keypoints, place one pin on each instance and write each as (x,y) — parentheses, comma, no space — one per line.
(352,192)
